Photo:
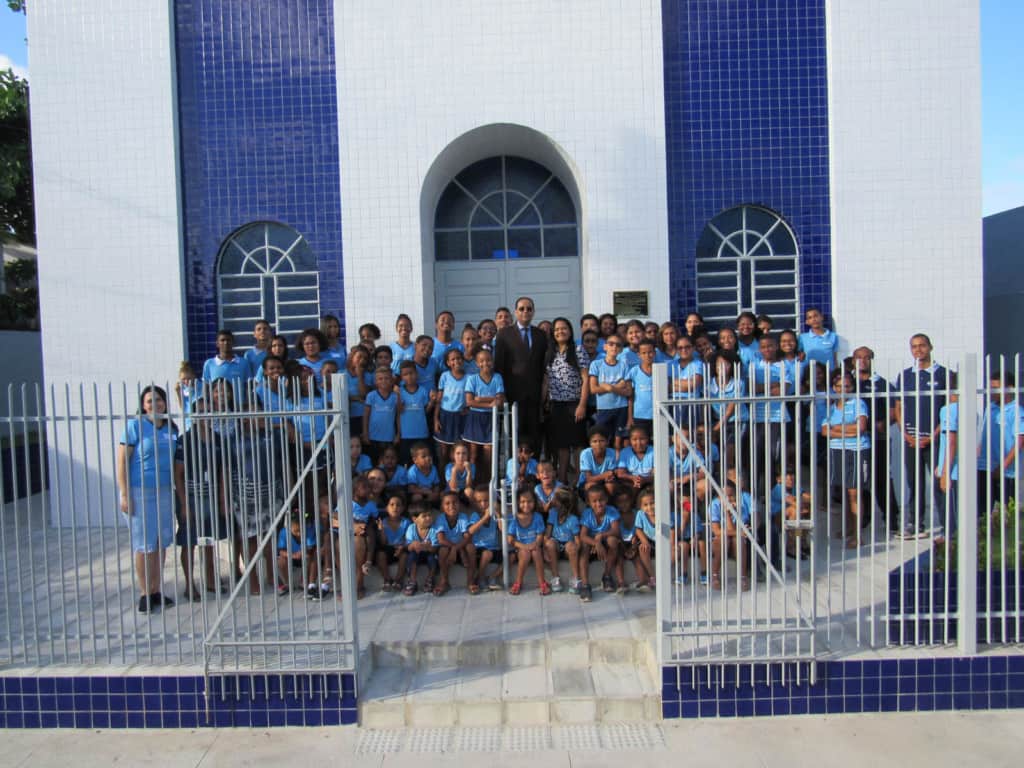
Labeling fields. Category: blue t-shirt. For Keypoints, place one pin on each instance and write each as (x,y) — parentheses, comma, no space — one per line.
(292,545)
(453,532)
(687,465)
(255,358)
(590,466)
(381,427)
(661,357)
(744,504)
(817,414)
(464,478)
(853,408)
(363,513)
(269,400)
(767,374)
(678,372)
(949,421)
(357,407)
(415,476)
(777,501)
(338,353)
(641,466)
(412,535)
(453,392)
(544,498)
(611,514)
(399,478)
(749,353)
(565,531)
(643,393)
(363,464)
(400,354)
(527,534)
(441,349)
(486,536)
(315,365)
(819,349)
(642,523)
(512,470)
(480,388)
(989,438)
(235,369)
(609,374)
(413,416)
(310,428)
(395,537)
(426,375)
(1010,428)
(733,388)
(631,358)
(626,530)
(151,462)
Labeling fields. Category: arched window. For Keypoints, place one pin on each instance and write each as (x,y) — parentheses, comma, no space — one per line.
(267,270)
(505,208)
(747,260)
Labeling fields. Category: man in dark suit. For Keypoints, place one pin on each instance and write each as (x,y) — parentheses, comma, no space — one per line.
(520,352)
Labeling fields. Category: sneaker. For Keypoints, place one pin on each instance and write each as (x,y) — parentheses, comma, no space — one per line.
(704,579)
(621,589)
(586,593)
(607,585)
(313,593)
(683,579)
(574,588)
(642,587)
(144,604)
(325,589)
(556,584)
(493,584)
(282,590)
(158,599)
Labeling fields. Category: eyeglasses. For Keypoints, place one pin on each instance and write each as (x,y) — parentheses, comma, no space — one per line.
(524,309)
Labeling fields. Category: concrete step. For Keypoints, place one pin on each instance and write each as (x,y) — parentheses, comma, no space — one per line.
(530,694)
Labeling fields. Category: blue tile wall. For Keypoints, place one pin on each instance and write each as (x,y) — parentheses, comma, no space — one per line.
(258,128)
(177,702)
(746,122)
(844,687)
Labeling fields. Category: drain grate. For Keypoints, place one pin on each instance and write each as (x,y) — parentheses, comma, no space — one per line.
(535,738)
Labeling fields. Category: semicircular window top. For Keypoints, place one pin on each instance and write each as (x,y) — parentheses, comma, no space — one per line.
(505,208)
(267,270)
(748,260)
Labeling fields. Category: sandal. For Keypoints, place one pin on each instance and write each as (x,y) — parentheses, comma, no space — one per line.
(441,589)
(428,585)
(545,588)
(515,589)
(410,588)
(474,589)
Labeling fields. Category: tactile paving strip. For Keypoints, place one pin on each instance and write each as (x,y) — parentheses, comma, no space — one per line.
(536,738)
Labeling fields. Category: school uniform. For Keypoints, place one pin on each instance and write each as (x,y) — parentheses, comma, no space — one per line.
(949,422)
(512,470)
(819,349)
(429,559)
(849,454)
(419,479)
(150,485)
(640,466)
(203,460)
(381,413)
(399,354)
(453,403)
(591,466)
(922,395)
(237,369)
(478,425)
(590,522)
(412,419)
(441,349)
(393,537)
(611,408)
(463,480)
(643,398)
(527,534)
(563,532)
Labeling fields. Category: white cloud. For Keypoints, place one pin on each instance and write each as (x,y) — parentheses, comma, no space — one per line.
(6,63)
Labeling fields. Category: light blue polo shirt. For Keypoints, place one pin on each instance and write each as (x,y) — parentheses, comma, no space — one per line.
(609,374)
(481,388)
(641,466)
(677,372)
(853,409)
(527,534)
(566,531)
(589,466)
(643,393)
(611,514)
(768,374)
(819,349)
(949,421)
(453,392)
(744,505)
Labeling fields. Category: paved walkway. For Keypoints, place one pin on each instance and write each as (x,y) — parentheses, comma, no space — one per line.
(991,739)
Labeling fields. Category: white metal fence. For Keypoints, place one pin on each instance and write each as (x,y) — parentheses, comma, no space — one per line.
(234,493)
(807,520)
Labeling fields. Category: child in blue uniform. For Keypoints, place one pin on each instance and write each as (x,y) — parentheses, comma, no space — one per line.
(421,544)
(521,470)
(485,391)
(599,537)
(947,473)
(526,534)
(460,473)
(646,536)
(641,404)
(597,463)
(608,381)
(293,546)
(546,486)
(226,364)
(261,334)
(450,415)
(636,461)
(791,503)
(360,383)
(394,473)
(423,482)
(414,402)
(747,346)
(380,422)
(818,344)
(849,442)
(485,530)
(364,529)
(561,538)
(391,541)
(726,539)
(403,347)
(454,542)
(427,367)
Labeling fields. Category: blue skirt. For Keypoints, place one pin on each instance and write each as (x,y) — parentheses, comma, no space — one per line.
(477,428)
(452,426)
(152,519)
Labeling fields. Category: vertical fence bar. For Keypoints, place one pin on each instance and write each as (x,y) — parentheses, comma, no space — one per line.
(663,515)
(967,529)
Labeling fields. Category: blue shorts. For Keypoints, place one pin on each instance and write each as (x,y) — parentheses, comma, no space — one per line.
(477,428)
(452,427)
(612,422)
(152,520)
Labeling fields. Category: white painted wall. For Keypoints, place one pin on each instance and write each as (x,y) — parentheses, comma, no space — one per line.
(104,148)
(415,75)
(905,120)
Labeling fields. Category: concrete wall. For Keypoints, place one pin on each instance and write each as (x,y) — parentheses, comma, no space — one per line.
(905,115)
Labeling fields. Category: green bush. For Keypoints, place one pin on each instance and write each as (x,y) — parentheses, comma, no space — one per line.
(999,537)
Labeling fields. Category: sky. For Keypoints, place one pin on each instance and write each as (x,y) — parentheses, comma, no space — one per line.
(1002,106)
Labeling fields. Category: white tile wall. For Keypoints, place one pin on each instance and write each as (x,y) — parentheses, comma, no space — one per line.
(103,138)
(905,106)
(415,75)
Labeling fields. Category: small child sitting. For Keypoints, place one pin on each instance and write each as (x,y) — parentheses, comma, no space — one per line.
(526,534)
(561,538)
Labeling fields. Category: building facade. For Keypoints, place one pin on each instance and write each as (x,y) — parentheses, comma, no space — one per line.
(202,163)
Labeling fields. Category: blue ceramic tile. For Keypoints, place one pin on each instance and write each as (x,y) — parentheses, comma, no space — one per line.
(762,707)
(118,720)
(47,685)
(998,700)
(80,685)
(349,716)
(313,717)
(888,702)
(64,720)
(727,708)
(31,720)
(49,720)
(691,709)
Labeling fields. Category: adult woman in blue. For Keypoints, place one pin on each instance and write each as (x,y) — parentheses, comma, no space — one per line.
(145,463)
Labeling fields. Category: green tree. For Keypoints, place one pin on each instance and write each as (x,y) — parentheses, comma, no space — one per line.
(16,5)
(17,218)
